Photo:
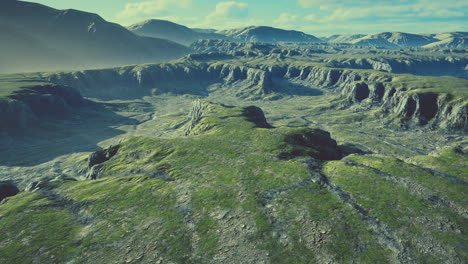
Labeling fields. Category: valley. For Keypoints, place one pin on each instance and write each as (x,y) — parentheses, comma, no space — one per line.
(244,145)
(167,142)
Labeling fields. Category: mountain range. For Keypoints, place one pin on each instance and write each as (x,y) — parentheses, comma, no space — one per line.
(401,40)
(264,146)
(171,31)
(36,37)
(268,35)
(55,39)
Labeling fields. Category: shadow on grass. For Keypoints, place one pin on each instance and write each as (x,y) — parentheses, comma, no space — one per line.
(289,88)
(80,131)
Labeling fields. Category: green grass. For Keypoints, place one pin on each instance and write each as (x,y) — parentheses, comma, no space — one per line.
(160,197)
(400,210)
(30,224)
(449,160)
(439,185)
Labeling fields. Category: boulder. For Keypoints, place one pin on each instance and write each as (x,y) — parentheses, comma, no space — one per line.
(7,190)
(101,156)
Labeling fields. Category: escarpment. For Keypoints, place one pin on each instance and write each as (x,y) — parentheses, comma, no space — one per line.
(447,66)
(412,99)
(400,96)
(30,105)
(178,78)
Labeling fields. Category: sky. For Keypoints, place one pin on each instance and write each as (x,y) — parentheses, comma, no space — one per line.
(316,17)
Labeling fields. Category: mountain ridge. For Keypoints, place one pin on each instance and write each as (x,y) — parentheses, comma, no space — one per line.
(267,34)
(172,31)
(87,38)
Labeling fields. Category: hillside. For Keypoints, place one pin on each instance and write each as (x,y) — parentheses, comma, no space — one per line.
(233,187)
(265,146)
(171,31)
(74,39)
(456,42)
(345,38)
(394,40)
(268,35)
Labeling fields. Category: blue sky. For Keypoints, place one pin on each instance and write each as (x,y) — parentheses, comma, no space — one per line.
(317,17)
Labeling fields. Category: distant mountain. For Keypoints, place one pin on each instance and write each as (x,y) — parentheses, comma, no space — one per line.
(447,35)
(168,30)
(449,40)
(18,49)
(268,35)
(456,42)
(394,40)
(345,38)
(40,38)
(204,30)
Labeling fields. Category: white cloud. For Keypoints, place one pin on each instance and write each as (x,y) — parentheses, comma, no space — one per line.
(326,4)
(381,9)
(367,28)
(286,20)
(230,14)
(230,9)
(151,7)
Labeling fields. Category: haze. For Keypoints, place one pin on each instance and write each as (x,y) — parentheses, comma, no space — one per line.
(318,17)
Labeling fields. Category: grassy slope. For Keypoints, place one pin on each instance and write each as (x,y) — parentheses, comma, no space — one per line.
(231,167)
(224,193)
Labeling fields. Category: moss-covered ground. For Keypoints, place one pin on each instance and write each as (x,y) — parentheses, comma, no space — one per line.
(225,195)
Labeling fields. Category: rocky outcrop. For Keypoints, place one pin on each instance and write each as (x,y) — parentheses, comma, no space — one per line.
(7,190)
(97,158)
(255,115)
(101,156)
(316,143)
(73,39)
(47,183)
(199,109)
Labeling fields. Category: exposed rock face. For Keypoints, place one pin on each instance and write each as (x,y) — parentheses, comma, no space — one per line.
(323,146)
(199,109)
(255,115)
(7,190)
(34,103)
(47,183)
(97,158)
(101,156)
(447,66)
(232,48)
(377,90)
(247,82)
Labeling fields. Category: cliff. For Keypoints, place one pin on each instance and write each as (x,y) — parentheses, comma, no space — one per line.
(443,66)
(435,101)
(31,104)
